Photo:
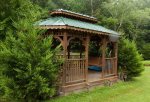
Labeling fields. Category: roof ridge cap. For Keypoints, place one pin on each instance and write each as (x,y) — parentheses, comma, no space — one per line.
(59,21)
(63,20)
(64,10)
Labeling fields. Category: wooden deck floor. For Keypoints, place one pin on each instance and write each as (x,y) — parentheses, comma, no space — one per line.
(94,75)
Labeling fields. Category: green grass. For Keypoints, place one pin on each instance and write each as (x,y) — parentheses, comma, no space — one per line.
(146,62)
(137,90)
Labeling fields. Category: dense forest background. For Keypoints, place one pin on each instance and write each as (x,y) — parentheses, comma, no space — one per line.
(129,17)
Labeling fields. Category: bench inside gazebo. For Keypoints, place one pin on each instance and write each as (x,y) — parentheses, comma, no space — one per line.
(77,33)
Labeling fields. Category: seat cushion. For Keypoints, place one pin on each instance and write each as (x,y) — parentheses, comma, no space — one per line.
(95,68)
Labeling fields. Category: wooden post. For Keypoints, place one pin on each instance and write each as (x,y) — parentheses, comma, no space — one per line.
(68,48)
(104,44)
(86,57)
(81,50)
(65,44)
(116,56)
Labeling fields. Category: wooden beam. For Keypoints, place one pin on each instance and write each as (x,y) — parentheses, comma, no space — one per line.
(116,57)
(86,56)
(65,57)
(68,50)
(62,27)
(104,44)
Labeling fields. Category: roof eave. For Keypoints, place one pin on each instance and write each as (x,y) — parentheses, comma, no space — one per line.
(76,28)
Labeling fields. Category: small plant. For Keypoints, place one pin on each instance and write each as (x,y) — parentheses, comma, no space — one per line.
(107,83)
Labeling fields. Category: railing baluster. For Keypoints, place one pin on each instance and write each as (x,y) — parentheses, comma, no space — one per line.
(110,66)
(75,70)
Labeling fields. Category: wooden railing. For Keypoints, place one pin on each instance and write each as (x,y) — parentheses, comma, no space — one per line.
(71,56)
(76,56)
(74,71)
(110,66)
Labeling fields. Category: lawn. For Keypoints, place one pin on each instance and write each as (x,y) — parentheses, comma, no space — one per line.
(137,90)
(146,62)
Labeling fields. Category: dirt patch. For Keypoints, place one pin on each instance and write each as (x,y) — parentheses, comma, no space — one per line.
(146,64)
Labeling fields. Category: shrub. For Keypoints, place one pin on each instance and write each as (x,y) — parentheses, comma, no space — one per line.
(129,60)
(29,64)
(146,51)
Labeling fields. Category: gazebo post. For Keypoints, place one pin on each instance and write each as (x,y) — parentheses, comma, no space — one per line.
(86,57)
(104,43)
(81,50)
(68,49)
(116,56)
(65,44)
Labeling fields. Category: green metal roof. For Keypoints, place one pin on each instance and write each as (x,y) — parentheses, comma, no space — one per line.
(58,21)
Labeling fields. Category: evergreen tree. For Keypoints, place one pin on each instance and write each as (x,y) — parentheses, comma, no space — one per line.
(15,10)
(130,61)
(29,65)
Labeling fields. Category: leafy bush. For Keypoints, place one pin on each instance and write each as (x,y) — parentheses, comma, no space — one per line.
(29,64)
(146,51)
(129,60)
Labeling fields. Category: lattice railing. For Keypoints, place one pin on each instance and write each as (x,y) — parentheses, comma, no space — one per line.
(74,70)
(110,66)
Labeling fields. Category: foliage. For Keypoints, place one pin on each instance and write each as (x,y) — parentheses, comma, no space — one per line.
(14,11)
(131,18)
(29,67)
(94,49)
(130,61)
(29,64)
(146,51)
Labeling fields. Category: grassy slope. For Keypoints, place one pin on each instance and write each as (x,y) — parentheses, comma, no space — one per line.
(134,91)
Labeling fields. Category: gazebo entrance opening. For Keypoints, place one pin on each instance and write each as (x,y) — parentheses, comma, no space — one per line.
(75,61)
(95,58)
(76,49)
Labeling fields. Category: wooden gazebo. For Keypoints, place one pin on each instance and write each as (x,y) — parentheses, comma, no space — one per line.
(81,70)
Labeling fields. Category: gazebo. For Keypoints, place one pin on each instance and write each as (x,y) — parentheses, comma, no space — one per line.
(77,33)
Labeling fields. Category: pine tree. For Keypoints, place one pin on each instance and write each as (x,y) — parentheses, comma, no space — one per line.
(129,60)
(29,67)
(28,62)
(15,10)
